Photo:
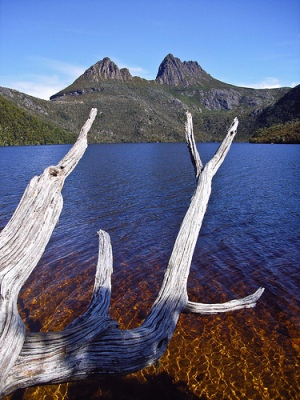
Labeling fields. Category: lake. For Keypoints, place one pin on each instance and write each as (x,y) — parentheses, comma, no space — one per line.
(139,193)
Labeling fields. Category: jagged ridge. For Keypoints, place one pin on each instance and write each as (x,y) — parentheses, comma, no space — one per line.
(174,72)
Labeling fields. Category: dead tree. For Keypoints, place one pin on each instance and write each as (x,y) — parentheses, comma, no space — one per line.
(93,344)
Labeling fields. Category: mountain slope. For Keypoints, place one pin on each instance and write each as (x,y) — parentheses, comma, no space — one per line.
(284,110)
(18,127)
(280,123)
(133,109)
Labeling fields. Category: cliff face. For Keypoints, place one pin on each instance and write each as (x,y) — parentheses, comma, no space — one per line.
(174,72)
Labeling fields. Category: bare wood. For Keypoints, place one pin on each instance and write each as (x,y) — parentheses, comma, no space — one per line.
(93,344)
(190,140)
(23,241)
(232,305)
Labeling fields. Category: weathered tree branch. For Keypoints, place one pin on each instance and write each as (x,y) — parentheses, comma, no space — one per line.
(190,140)
(93,344)
(23,241)
(232,305)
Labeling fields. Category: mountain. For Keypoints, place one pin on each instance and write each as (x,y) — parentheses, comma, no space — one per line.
(102,71)
(93,78)
(133,109)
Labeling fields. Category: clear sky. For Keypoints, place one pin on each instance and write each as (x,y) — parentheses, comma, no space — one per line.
(46,44)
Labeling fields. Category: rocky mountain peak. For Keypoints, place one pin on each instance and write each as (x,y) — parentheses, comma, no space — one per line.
(104,70)
(172,71)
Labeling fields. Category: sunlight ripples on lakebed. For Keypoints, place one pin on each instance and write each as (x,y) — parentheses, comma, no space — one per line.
(139,193)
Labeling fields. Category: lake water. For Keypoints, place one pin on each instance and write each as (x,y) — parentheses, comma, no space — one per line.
(139,193)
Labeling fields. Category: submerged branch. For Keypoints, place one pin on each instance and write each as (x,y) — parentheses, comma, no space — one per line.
(93,344)
(232,305)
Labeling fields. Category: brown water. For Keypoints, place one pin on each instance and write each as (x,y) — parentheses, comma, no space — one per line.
(250,238)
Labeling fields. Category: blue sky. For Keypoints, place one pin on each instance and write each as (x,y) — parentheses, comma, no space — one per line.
(46,44)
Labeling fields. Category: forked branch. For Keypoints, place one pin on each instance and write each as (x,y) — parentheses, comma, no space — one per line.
(93,344)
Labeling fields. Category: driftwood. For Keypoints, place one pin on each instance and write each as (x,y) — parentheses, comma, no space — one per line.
(93,344)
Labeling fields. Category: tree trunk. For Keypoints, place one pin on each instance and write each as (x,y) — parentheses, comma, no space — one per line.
(93,344)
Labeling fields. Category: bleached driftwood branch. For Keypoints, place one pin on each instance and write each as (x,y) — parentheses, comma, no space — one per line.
(93,344)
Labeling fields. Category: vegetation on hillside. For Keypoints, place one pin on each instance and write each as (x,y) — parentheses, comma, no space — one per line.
(280,133)
(286,109)
(280,122)
(18,127)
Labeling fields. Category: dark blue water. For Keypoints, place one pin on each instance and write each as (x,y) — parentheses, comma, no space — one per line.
(139,193)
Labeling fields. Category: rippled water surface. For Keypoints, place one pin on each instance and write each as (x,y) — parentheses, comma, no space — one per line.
(139,193)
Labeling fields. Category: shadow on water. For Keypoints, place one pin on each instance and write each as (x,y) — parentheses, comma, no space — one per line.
(32,325)
(158,387)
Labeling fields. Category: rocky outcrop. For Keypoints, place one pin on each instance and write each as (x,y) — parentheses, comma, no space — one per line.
(174,72)
(126,75)
(229,98)
(104,70)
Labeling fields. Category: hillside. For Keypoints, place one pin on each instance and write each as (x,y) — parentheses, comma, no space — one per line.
(288,133)
(18,127)
(280,123)
(284,110)
(132,109)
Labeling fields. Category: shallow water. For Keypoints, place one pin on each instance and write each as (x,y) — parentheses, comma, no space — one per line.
(139,193)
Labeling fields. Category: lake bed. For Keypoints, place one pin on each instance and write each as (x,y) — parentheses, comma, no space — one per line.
(139,193)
